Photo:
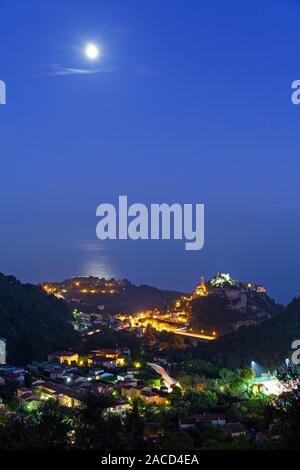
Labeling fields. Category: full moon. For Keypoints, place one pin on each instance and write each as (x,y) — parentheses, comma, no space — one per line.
(92,51)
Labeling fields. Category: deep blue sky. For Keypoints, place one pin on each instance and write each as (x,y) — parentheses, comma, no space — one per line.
(193,105)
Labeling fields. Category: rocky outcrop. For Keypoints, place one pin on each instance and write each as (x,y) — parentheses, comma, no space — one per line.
(230,304)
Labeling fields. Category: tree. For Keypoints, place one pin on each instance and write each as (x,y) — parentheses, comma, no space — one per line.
(175,441)
(96,428)
(135,423)
(33,322)
(283,414)
(175,396)
(7,391)
(46,428)
(197,402)
(212,436)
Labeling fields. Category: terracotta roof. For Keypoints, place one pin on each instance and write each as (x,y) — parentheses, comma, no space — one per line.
(234,428)
(106,351)
(59,389)
(63,353)
(27,395)
(188,421)
(127,387)
(149,394)
(32,398)
(210,417)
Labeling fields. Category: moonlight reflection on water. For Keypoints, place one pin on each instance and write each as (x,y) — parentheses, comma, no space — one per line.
(95,260)
(98,268)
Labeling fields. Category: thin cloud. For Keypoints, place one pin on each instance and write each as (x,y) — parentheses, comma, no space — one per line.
(65,71)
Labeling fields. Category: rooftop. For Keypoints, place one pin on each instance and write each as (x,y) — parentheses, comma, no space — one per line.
(63,353)
(233,428)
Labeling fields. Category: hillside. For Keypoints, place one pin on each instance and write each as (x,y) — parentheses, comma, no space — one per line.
(225,305)
(268,343)
(33,322)
(111,296)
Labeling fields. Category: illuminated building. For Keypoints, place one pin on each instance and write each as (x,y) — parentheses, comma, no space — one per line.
(120,360)
(221,279)
(154,398)
(120,408)
(104,361)
(201,290)
(130,392)
(28,399)
(65,396)
(64,357)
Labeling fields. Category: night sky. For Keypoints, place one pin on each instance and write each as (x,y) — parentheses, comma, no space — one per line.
(189,103)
